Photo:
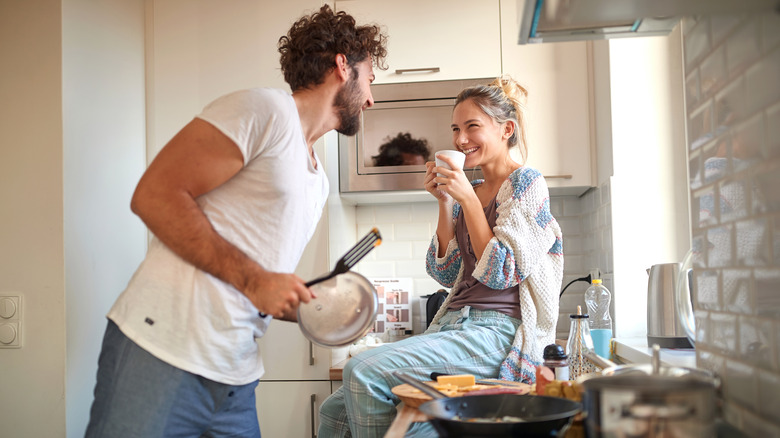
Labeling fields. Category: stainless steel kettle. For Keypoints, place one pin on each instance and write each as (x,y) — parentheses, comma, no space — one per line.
(668,290)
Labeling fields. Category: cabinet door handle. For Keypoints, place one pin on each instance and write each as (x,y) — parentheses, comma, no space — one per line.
(401,71)
(558,176)
(311,353)
(313,399)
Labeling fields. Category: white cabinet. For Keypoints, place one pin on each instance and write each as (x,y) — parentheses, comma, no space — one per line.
(460,38)
(290,409)
(559,114)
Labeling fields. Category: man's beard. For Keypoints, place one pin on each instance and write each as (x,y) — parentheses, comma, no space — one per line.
(349,106)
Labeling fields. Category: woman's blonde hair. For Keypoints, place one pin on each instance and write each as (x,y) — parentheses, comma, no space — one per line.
(503,100)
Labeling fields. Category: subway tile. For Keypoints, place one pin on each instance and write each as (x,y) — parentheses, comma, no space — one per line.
(772,135)
(740,384)
(420,247)
(426,286)
(742,47)
(766,194)
(706,289)
(754,425)
(413,231)
(696,177)
(776,241)
(572,245)
(425,212)
(396,213)
(700,126)
(763,87)
(771,31)
(571,206)
(720,251)
(395,250)
(606,193)
(755,341)
(702,327)
(712,72)
(372,269)
(699,249)
(722,26)
(737,295)
(767,290)
(574,264)
(692,89)
(709,359)
(570,225)
(730,105)
(732,201)
(716,163)
(752,243)
(386,230)
(410,268)
(556,207)
(697,43)
(365,214)
(747,143)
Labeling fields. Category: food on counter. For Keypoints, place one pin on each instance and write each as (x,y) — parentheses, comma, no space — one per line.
(457,380)
(544,376)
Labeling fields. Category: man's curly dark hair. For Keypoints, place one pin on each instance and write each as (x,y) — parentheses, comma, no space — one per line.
(391,152)
(310,47)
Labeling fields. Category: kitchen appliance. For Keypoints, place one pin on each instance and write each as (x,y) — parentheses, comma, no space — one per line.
(577,20)
(664,314)
(649,402)
(422,109)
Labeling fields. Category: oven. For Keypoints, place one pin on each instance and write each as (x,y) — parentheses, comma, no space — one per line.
(420,112)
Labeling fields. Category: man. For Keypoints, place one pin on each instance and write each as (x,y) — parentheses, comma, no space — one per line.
(232,200)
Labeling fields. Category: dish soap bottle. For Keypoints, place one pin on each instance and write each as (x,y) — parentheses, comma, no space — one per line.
(597,298)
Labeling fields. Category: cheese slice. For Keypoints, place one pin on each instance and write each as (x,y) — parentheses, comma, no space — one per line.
(457,380)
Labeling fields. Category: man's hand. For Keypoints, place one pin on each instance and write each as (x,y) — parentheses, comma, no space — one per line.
(277,294)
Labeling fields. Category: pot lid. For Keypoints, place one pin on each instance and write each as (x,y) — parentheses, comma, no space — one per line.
(343,312)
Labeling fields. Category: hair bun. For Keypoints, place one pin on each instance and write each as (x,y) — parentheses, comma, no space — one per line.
(512,90)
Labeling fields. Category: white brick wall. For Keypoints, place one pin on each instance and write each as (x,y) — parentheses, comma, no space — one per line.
(732,77)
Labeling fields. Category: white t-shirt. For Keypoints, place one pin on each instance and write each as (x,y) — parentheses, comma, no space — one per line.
(269,210)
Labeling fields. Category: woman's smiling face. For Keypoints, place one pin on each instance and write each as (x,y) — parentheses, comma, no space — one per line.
(476,134)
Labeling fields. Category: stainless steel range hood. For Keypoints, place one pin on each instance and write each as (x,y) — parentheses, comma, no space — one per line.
(576,20)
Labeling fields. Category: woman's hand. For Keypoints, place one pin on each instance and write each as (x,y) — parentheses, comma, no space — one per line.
(452,182)
(430,184)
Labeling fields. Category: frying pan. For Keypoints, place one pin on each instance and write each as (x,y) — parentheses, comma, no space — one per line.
(481,415)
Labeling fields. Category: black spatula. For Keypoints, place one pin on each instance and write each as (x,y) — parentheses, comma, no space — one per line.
(354,255)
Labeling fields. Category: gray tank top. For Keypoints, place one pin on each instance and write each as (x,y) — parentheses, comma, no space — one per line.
(470,291)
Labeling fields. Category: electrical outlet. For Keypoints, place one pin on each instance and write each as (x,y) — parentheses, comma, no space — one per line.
(10,321)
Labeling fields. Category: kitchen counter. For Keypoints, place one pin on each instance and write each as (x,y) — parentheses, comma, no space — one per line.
(335,371)
(635,350)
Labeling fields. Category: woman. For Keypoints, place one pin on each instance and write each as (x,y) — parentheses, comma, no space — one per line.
(499,249)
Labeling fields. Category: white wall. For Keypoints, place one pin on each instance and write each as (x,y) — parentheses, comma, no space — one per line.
(32,398)
(103,158)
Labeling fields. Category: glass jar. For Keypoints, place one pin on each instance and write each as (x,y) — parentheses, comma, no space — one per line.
(579,341)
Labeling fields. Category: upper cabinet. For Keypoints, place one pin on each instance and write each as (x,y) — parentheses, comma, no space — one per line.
(559,118)
(434,40)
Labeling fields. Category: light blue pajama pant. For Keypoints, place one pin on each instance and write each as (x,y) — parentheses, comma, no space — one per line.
(468,341)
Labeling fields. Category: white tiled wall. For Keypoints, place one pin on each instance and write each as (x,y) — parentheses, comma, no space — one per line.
(407,230)
(732,76)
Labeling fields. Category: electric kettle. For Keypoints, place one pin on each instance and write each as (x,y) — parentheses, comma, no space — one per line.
(669,309)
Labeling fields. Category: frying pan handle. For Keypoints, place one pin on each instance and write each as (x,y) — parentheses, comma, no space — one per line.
(429,390)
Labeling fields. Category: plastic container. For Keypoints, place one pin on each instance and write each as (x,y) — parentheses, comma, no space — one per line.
(556,360)
(597,299)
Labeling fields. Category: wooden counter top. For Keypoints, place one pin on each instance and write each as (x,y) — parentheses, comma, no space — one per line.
(336,369)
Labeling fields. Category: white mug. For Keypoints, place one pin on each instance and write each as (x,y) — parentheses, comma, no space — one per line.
(457,157)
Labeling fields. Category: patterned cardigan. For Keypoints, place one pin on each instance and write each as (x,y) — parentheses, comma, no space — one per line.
(527,250)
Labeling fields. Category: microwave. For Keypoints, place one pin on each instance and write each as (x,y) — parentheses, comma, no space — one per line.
(416,111)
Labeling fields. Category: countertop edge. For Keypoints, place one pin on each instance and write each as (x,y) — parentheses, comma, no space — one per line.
(635,350)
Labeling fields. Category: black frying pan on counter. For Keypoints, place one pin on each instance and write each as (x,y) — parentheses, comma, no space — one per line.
(496,415)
